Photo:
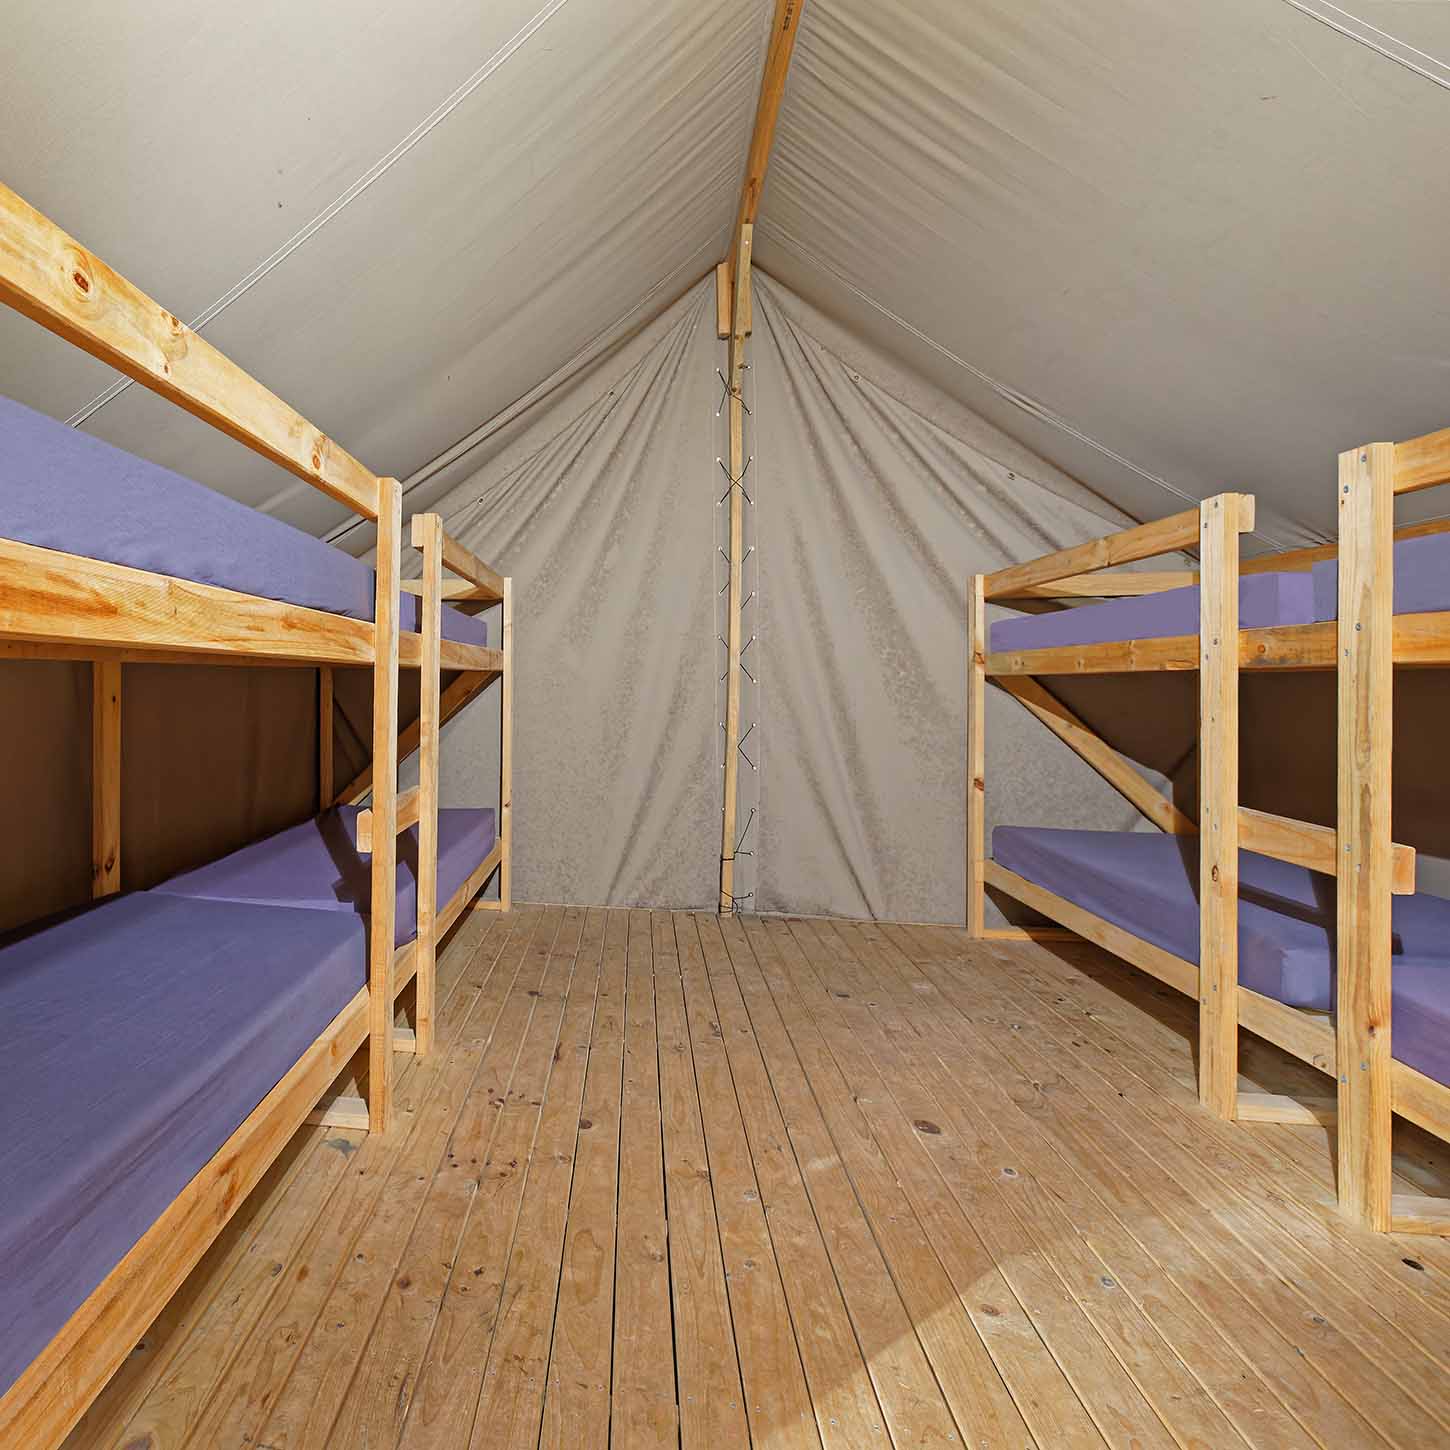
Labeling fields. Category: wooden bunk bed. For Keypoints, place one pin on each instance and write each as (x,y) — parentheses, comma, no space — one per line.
(179,1037)
(1171,904)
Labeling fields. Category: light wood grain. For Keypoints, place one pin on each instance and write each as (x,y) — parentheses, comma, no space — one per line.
(1258,1107)
(428,537)
(1125,585)
(1422,462)
(1218,805)
(734,584)
(1366,704)
(1144,541)
(976,843)
(51,278)
(506,755)
(784,26)
(1315,847)
(487,583)
(383,903)
(105,778)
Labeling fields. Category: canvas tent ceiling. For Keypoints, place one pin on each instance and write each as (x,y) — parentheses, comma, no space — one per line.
(1163,244)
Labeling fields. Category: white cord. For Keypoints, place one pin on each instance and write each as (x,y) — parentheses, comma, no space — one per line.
(372,174)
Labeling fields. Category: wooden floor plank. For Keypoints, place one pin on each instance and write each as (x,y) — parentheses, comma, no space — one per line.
(1029,1218)
(1133,1385)
(1033,1170)
(258,1375)
(1288,1331)
(678,1180)
(1386,1321)
(986,1301)
(643,1412)
(443,1407)
(840,1368)
(842,1168)
(510,1406)
(777,1397)
(707,1366)
(576,1405)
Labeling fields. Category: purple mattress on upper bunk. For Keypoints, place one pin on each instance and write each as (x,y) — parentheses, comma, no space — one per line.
(63,489)
(1148,885)
(318,865)
(1264,599)
(1422,578)
(138,1037)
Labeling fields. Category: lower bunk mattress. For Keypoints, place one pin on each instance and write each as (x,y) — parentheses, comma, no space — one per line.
(318,865)
(1147,884)
(140,1034)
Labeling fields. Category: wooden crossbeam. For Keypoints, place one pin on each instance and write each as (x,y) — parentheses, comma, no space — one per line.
(1114,768)
(52,279)
(408,808)
(1255,1107)
(1120,585)
(1127,546)
(1422,462)
(1316,847)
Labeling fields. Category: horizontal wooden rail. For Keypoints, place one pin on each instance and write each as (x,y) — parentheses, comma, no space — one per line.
(1422,462)
(460,590)
(1162,536)
(1315,847)
(487,583)
(52,279)
(1108,586)
(407,817)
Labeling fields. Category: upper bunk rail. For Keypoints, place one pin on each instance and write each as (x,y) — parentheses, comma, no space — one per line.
(1143,541)
(49,277)
(1422,462)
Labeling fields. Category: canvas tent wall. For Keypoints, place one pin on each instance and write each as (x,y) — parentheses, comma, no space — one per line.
(1150,243)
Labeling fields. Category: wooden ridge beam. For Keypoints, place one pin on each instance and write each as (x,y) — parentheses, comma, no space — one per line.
(784,26)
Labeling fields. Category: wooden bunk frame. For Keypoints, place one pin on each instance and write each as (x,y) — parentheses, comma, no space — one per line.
(1363,645)
(62,606)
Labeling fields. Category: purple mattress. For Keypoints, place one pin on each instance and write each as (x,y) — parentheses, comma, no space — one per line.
(1264,599)
(63,489)
(138,1036)
(1422,578)
(318,865)
(1148,885)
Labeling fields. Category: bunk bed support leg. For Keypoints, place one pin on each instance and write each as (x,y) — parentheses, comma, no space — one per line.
(105,778)
(326,771)
(1366,704)
(506,756)
(976,756)
(1218,796)
(428,537)
(385,809)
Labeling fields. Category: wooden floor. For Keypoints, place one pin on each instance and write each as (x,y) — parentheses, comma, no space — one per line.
(918,1192)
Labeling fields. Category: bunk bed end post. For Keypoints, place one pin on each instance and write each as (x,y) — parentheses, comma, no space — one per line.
(1221,520)
(976,755)
(428,538)
(326,770)
(506,755)
(105,778)
(1365,719)
(385,809)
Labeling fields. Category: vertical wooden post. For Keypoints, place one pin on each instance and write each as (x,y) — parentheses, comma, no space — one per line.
(976,755)
(105,778)
(428,537)
(385,809)
(737,553)
(506,756)
(325,769)
(1218,805)
(1366,705)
